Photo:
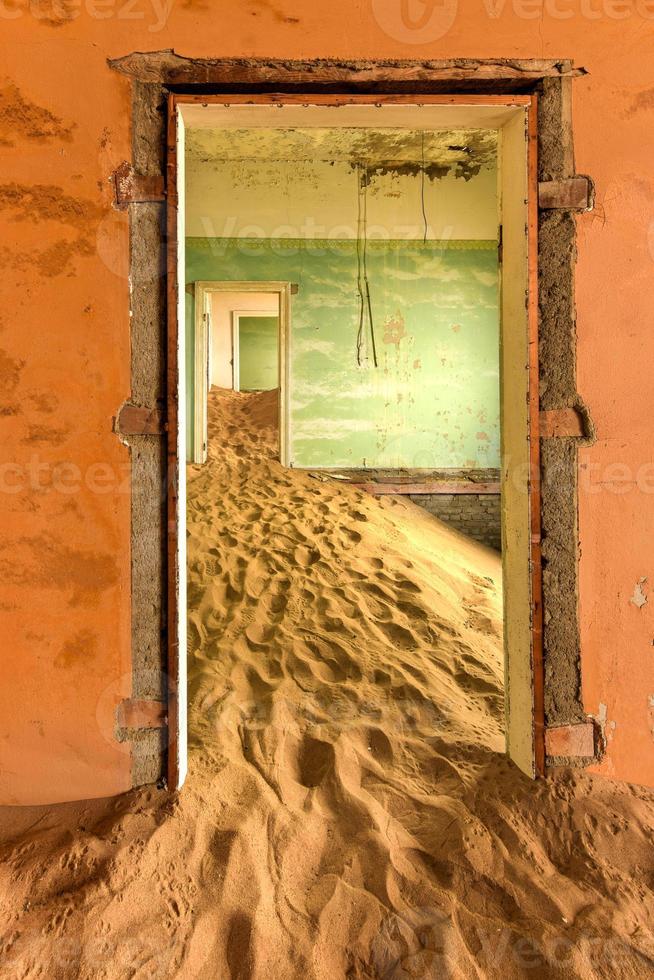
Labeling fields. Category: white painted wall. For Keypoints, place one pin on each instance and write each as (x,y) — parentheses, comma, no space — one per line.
(222,307)
(278,199)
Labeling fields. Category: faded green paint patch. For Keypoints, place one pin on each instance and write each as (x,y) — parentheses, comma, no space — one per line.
(433,399)
(258,353)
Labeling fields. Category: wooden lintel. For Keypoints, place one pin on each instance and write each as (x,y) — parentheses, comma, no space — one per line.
(571,741)
(460,486)
(134,420)
(168,67)
(561,423)
(571,194)
(134,713)
(133,188)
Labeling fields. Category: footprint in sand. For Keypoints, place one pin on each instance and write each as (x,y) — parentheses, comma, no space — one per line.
(259,635)
(379,745)
(315,761)
(398,635)
(306,557)
(273,605)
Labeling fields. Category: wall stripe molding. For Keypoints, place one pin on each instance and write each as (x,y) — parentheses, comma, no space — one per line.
(251,244)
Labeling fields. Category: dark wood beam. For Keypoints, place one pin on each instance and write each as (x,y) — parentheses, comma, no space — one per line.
(169,68)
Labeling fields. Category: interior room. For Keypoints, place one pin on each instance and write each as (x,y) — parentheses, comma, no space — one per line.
(388,239)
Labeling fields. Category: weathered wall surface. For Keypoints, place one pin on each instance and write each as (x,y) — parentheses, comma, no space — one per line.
(475,514)
(64,126)
(433,399)
(65,367)
(310,191)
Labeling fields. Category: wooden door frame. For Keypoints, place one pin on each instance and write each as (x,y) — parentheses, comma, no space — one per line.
(529,104)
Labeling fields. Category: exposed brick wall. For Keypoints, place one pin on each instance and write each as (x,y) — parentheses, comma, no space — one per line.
(477,515)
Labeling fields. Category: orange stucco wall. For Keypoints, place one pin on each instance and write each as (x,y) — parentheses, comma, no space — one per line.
(64,335)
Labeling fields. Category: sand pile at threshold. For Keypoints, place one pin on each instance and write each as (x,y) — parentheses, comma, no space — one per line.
(348,811)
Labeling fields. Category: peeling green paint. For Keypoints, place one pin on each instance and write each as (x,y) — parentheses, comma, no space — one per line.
(433,400)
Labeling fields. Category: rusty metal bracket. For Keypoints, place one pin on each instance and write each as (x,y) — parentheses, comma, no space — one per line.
(561,423)
(133,188)
(572,194)
(132,714)
(571,741)
(133,420)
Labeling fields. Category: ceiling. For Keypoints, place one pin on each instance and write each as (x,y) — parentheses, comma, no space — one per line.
(461,152)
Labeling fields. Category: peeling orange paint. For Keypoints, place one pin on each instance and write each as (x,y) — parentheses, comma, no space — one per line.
(78,650)
(22,119)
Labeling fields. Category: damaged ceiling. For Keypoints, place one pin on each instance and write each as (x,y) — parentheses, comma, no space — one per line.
(461,153)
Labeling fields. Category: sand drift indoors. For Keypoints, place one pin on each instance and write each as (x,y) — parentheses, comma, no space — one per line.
(349,810)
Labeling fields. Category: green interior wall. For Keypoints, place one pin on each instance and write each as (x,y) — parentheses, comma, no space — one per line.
(433,399)
(258,353)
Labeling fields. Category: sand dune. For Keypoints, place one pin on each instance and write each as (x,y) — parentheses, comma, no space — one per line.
(349,811)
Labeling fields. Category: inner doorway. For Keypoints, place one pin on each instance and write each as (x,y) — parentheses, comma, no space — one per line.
(241,343)
(255,357)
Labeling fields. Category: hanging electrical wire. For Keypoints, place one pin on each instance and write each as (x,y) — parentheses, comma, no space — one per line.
(363,283)
(365,269)
(359,268)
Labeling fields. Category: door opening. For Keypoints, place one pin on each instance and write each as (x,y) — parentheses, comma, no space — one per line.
(314,436)
(242,342)
(255,357)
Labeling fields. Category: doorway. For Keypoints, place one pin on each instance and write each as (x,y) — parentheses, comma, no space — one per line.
(255,359)
(242,341)
(514,122)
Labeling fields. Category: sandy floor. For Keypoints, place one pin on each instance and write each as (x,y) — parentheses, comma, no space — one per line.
(348,811)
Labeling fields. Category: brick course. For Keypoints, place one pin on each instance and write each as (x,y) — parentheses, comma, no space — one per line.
(477,515)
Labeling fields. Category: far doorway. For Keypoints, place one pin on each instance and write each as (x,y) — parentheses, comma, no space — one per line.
(255,350)
(242,332)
